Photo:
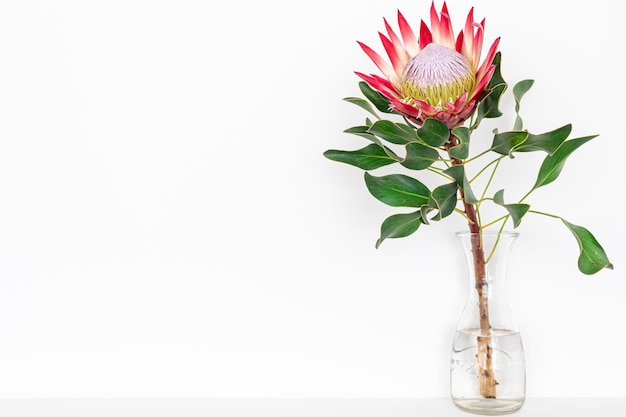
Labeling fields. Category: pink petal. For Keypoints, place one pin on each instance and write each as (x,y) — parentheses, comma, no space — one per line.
(425,107)
(380,84)
(478,40)
(434,22)
(383,66)
(459,43)
(459,102)
(488,59)
(478,43)
(386,85)
(393,55)
(468,38)
(404,108)
(443,34)
(397,43)
(482,82)
(410,42)
(425,36)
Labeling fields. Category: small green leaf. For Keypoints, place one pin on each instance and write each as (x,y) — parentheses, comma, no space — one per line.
(443,199)
(519,90)
(363,132)
(364,104)
(399,225)
(368,158)
(419,156)
(592,257)
(516,210)
(461,151)
(378,100)
(397,190)
(553,164)
(504,143)
(457,172)
(433,132)
(396,133)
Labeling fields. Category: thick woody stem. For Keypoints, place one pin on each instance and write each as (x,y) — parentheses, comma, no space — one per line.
(486,375)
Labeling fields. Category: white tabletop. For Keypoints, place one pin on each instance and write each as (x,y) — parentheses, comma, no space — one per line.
(538,407)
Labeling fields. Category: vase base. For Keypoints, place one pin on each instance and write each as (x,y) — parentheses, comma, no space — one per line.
(489,406)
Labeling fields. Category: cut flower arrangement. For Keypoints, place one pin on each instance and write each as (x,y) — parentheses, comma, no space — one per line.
(433,92)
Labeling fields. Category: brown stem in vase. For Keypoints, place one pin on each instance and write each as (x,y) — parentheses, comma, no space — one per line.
(486,375)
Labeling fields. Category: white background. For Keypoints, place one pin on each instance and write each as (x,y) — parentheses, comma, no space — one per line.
(170,228)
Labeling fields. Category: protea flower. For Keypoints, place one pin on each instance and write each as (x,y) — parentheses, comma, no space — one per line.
(436,76)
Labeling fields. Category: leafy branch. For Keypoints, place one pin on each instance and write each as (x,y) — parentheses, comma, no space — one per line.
(433,147)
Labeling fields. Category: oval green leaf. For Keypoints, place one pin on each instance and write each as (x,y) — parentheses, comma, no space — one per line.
(434,132)
(368,158)
(505,142)
(419,156)
(395,133)
(553,164)
(444,199)
(399,225)
(397,190)
(592,257)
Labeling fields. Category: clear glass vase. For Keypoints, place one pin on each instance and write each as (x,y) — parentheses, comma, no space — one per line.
(487,373)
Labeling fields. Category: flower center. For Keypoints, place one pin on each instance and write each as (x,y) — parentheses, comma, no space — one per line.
(436,75)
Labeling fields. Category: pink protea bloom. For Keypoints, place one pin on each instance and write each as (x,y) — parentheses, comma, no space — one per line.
(435,76)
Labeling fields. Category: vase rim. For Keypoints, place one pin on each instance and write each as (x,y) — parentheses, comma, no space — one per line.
(466,233)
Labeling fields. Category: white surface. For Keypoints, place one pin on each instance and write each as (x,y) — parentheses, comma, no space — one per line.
(169,227)
(553,407)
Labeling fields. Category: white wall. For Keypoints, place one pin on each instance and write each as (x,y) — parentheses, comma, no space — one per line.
(169,227)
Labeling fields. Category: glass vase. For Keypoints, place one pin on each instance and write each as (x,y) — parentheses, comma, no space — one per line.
(487,373)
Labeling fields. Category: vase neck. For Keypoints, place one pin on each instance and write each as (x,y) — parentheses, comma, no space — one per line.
(487,257)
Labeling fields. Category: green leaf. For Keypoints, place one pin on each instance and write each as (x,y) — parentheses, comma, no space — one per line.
(434,132)
(396,133)
(399,225)
(364,104)
(490,101)
(519,90)
(368,158)
(592,257)
(378,100)
(504,143)
(457,172)
(419,156)
(397,190)
(443,199)
(516,210)
(553,164)
(363,132)
(547,142)
(461,151)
